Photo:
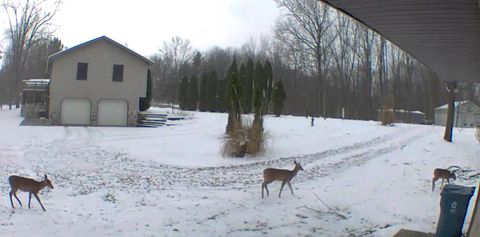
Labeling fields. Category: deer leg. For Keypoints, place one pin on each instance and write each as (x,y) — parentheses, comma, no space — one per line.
(433,183)
(15,195)
(441,186)
(38,199)
(263,186)
(10,194)
(29,199)
(280,193)
(290,186)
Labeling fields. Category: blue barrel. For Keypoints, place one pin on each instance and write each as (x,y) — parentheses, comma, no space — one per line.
(453,207)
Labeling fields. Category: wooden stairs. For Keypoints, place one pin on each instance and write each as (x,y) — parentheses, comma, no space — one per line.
(153,120)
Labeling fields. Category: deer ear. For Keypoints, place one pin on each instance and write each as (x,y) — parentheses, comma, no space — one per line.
(295,162)
(45,176)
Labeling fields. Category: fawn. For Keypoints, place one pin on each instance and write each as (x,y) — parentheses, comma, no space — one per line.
(27,185)
(442,174)
(271,174)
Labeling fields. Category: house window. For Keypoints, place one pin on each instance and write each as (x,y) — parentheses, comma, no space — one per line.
(117,72)
(82,71)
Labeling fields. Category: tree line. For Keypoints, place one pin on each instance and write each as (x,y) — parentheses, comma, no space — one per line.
(328,65)
(206,92)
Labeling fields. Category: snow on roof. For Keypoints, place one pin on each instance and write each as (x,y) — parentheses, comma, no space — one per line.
(457,103)
(38,80)
(403,111)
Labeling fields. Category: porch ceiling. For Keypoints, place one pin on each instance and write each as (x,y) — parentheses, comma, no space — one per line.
(442,34)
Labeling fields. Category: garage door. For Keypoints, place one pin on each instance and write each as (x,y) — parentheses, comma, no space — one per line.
(112,113)
(75,111)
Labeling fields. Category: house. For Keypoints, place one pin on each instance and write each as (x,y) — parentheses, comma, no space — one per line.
(97,83)
(467,114)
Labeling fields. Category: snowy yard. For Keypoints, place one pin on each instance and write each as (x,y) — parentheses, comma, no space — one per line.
(173,181)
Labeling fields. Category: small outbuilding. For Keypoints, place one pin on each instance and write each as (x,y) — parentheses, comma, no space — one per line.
(99,83)
(466,114)
(405,116)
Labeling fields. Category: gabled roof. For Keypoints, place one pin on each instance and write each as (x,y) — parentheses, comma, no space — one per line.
(443,34)
(105,38)
(458,104)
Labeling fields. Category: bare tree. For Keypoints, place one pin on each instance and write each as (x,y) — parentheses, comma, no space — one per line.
(29,22)
(344,55)
(174,56)
(176,52)
(306,26)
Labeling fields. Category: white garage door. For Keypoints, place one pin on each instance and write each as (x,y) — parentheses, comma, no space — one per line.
(112,113)
(75,111)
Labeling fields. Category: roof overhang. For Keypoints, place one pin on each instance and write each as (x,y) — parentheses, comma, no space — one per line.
(442,34)
(101,38)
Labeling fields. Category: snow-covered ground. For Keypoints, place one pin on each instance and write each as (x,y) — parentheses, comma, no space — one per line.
(173,181)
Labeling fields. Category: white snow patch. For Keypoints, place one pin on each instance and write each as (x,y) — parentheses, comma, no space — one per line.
(173,181)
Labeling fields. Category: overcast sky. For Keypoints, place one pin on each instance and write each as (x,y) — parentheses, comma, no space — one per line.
(144,24)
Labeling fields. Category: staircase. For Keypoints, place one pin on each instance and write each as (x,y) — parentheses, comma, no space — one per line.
(151,120)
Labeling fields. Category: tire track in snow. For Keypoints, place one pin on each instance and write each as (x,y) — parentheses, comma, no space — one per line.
(87,168)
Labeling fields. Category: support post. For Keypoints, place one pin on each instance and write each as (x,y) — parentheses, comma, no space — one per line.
(451,87)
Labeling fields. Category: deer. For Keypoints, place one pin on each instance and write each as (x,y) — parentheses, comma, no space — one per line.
(27,185)
(443,174)
(272,174)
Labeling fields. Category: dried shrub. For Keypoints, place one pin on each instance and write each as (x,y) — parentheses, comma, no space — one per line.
(244,138)
(387,117)
(256,139)
(388,114)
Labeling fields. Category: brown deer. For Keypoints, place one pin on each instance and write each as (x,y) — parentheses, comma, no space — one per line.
(271,174)
(27,185)
(443,174)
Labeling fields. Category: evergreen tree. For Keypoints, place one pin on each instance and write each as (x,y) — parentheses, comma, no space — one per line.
(278,98)
(221,85)
(204,90)
(213,92)
(241,85)
(145,102)
(197,63)
(192,93)
(182,94)
(258,85)
(233,95)
(268,73)
(248,87)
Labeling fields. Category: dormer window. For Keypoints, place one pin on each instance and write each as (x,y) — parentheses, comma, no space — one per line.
(82,71)
(117,72)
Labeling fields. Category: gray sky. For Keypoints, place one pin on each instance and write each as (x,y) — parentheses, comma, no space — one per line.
(144,24)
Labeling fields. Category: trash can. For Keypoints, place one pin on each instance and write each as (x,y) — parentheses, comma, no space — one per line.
(453,207)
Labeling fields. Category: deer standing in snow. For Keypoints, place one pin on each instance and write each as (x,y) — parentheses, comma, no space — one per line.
(271,174)
(27,185)
(443,174)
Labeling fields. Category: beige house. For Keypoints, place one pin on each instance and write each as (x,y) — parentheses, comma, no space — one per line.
(466,115)
(95,83)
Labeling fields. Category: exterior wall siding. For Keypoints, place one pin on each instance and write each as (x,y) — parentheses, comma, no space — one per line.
(100,56)
(466,115)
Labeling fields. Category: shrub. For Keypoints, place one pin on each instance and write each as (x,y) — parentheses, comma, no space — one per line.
(387,116)
(244,138)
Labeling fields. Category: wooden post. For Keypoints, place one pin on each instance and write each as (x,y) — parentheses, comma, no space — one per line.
(451,86)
